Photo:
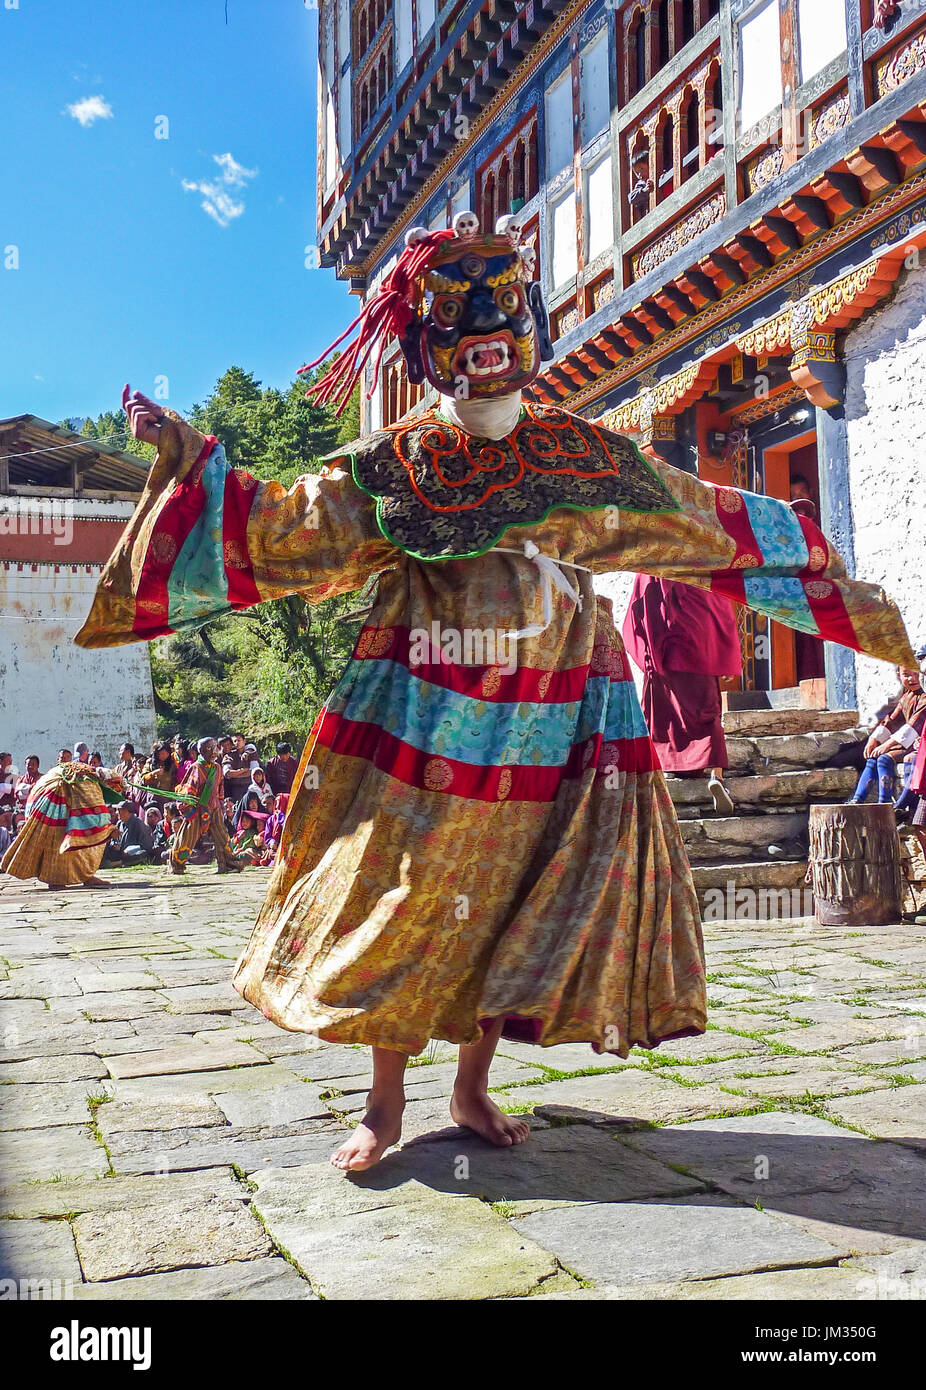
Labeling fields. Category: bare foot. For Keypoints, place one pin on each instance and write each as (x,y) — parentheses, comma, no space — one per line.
(95,882)
(380,1128)
(475,1111)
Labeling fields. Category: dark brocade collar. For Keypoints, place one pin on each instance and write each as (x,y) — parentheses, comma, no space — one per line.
(443,494)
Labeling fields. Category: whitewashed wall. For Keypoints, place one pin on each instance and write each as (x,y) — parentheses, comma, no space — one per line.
(617,587)
(54,693)
(886,423)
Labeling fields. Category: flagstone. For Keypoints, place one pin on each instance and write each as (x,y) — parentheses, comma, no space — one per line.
(65,1150)
(743,1022)
(898,1114)
(41,1104)
(713,1044)
(37,1252)
(28,982)
(204,999)
(820,1037)
(264,1278)
(815,1081)
(568,1057)
(274,1105)
(636,1243)
(803,1169)
(121,1005)
(895,1051)
(80,1066)
(117,1116)
(167,1086)
(344,1236)
(167,1025)
(95,982)
(49,1199)
(199,1055)
(168,1235)
(554,1167)
(184,1150)
(66,1038)
(631,1095)
(783,1285)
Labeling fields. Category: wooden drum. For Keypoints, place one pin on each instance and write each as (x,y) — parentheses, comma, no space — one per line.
(855,865)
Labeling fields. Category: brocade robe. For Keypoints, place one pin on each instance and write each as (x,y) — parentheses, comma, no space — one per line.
(466,839)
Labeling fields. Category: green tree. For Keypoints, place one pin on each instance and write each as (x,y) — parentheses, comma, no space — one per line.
(270,668)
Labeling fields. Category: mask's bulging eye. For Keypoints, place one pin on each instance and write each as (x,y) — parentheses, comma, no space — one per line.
(508,299)
(473,266)
(448,311)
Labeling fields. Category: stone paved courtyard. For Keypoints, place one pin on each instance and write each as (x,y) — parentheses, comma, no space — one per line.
(161,1139)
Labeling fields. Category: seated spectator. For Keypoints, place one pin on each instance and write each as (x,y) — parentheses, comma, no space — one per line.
(889,742)
(8,776)
(7,833)
(135,840)
(126,764)
(182,757)
(281,770)
(229,810)
(274,826)
(96,760)
(251,803)
(160,773)
(162,832)
(24,784)
(258,782)
(172,824)
(236,768)
(248,840)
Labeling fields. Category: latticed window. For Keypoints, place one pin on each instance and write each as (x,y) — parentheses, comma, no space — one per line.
(510,179)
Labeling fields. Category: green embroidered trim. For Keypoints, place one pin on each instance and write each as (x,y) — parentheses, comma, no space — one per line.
(672,506)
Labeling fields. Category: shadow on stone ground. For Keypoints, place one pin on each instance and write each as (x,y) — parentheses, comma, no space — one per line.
(160,1139)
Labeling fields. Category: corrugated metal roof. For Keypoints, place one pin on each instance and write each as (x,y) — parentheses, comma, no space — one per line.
(40,454)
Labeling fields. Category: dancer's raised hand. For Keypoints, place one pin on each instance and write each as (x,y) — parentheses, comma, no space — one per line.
(143,414)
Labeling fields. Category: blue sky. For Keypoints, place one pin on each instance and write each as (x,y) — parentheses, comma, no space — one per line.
(123,273)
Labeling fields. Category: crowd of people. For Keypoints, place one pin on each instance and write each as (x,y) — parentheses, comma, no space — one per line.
(149,820)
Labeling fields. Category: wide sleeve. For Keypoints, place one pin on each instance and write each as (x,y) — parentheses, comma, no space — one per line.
(752,549)
(207,539)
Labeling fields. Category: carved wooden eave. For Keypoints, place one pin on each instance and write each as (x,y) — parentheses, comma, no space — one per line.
(780,245)
(470,79)
(808,327)
(640,416)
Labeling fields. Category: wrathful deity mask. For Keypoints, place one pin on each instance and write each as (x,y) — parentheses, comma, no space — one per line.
(485,332)
(466,310)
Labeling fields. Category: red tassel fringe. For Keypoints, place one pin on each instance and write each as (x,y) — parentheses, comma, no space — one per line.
(387,315)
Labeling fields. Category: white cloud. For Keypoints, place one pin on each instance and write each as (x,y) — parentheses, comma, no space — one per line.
(90,109)
(218,201)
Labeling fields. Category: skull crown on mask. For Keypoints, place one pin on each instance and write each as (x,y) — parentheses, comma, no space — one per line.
(485,331)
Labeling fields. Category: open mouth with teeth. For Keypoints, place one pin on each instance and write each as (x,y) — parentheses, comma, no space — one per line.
(483,357)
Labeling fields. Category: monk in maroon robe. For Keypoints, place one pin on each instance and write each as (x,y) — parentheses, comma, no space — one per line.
(683,639)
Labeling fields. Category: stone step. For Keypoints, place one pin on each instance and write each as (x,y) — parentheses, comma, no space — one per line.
(757,723)
(752,795)
(718,839)
(763,891)
(788,752)
(761,873)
